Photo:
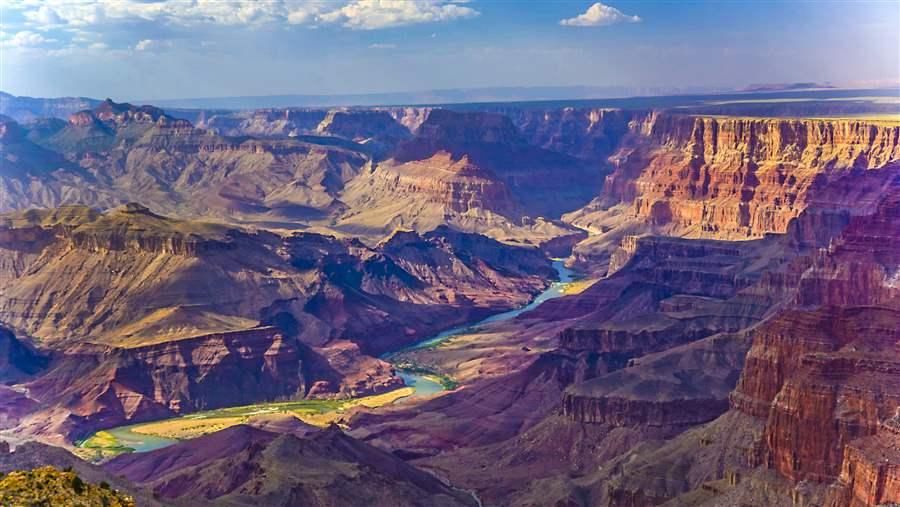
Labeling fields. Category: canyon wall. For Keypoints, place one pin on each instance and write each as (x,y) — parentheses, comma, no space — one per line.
(91,387)
(732,177)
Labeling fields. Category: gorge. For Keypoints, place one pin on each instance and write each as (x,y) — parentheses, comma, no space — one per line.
(371,291)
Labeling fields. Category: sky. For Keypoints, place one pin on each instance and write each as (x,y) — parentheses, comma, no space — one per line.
(146,49)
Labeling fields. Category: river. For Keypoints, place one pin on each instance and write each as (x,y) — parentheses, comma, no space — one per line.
(423,383)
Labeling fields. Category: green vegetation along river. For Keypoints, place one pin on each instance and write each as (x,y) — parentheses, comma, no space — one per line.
(420,383)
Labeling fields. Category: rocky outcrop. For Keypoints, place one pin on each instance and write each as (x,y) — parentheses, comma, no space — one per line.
(363,126)
(675,389)
(474,172)
(808,425)
(107,386)
(870,472)
(172,303)
(120,114)
(732,177)
(264,122)
(25,109)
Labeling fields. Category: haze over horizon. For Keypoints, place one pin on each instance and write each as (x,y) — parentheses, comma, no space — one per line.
(165,50)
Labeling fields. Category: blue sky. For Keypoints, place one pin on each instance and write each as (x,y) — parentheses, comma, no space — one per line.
(129,49)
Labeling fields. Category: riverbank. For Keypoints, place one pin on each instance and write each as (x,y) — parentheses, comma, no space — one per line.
(420,382)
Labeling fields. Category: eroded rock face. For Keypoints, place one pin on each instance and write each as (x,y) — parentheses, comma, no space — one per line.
(176,309)
(264,122)
(870,472)
(474,172)
(363,125)
(836,398)
(732,178)
(823,376)
(106,386)
(654,392)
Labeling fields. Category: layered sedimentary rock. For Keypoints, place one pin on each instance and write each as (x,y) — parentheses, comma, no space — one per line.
(118,153)
(264,122)
(870,471)
(368,127)
(732,177)
(473,171)
(93,386)
(176,309)
(653,392)
(29,108)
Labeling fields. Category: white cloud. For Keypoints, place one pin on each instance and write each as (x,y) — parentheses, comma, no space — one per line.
(27,39)
(152,45)
(357,14)
(44,16)
(379,45)
(89,23)
(600,15)
(377,14)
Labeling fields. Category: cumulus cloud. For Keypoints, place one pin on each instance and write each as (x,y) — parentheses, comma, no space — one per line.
(44,16)
(142,25)
(357,14)
(600,14)
(27,39)
(377,14)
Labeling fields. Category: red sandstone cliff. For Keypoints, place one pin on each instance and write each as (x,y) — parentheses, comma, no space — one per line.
(731,177)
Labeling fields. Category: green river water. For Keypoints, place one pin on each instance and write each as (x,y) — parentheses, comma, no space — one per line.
(424,384)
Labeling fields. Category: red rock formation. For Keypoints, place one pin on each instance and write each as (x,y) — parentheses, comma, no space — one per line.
(107,386)
(733,177)
(870,473)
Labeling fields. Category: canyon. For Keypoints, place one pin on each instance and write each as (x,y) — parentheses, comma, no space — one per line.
(731,338)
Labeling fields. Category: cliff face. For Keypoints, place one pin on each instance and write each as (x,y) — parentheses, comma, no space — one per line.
(653,392)
(368,126)
(264,122)
(870,474)
(732,177)
(119,153)
(475,172)
(98,386)
(824,375)
(172,305)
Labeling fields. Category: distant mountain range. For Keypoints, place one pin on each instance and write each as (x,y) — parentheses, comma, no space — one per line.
(26,109)
(445,96)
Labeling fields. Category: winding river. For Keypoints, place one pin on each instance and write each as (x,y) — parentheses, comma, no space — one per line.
(423,384)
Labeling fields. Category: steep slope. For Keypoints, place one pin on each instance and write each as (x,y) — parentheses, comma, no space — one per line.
(173,316)
(658,356)
(475,172)
(119,153)
(247,466)
(725,178)
(812,417)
